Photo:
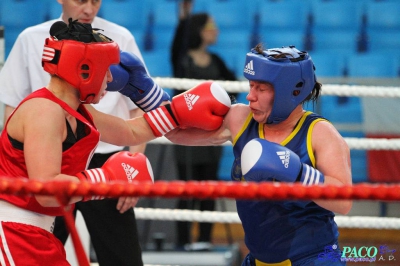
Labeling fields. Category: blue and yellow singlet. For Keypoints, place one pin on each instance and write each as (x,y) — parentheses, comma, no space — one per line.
(276,231)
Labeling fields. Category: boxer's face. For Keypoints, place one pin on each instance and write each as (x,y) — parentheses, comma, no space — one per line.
(82,10)
(107,79)
(261,99)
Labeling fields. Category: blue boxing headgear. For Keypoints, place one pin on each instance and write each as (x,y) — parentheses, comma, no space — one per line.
(291,74)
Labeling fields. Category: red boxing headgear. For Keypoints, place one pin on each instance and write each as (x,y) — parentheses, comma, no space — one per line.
(83,65)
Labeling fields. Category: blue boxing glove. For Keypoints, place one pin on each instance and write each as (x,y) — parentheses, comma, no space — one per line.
(131,79)
(262,160)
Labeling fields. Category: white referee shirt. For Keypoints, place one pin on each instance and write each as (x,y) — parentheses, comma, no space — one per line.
(23,73)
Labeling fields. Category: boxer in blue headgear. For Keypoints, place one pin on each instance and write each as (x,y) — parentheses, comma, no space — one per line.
(288,70)
(275,140)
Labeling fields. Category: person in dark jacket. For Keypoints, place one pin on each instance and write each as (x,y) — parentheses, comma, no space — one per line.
(191,58)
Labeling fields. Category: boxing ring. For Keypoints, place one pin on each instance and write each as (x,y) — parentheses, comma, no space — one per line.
(385,192)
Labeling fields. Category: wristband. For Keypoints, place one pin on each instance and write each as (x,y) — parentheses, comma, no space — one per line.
(311,176)
(161,120)
(95,175)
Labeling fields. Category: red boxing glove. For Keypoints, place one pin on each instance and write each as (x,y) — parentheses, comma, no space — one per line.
(203,106)
(122,166)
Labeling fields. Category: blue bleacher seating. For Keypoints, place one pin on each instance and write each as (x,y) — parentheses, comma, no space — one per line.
(384,41)
(383,15)
(328,64)
(346,110)
(283,15)
(16,15)
(53,9)
(158,63)
(234,58)
(166,14)
(383,26)
(233,39)
(22,13)
(131,14)
(161,25)
(200,6)
(225,163)
(336,25)
(344,15)
(373,64)
(139,35)
(279,38)
(344,41)
(163,38)
(283,23)
(230,14)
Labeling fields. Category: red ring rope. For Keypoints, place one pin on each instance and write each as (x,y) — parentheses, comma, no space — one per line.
(193,189)
(202,189)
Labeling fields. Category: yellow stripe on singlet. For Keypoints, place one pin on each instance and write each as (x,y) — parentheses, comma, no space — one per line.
(296,129)
(309,143)
(282,263)
(246,123)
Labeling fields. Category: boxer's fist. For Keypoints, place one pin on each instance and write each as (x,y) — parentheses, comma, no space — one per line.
(131,79)
(203,106)
(122,166)
(207,100)
(262,160)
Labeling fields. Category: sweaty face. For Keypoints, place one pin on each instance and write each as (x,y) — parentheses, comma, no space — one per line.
(261,99)
(82,10)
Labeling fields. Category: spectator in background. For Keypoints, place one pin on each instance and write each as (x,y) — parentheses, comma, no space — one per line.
(118,245)
(191,58)
(180,41)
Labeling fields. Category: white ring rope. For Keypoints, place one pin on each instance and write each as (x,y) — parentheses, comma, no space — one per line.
(361,222)
(354,143)
(327,89)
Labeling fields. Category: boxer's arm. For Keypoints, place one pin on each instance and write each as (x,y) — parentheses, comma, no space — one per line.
(141,147)
(126,203)
(42,134)
(200,137)
(120,132)
(332,156)
(206,110)
(231,126)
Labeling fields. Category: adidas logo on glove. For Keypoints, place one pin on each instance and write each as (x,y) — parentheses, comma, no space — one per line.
(285,157)
(130,172)
(249,68)
(191,99)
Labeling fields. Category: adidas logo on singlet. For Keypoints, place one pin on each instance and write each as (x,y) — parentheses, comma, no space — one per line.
(284,156)
(130,172)
(249,68)
(191,99)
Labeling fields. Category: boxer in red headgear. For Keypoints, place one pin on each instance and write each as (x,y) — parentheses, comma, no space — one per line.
(54,131)
(81,64)
(52,136)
